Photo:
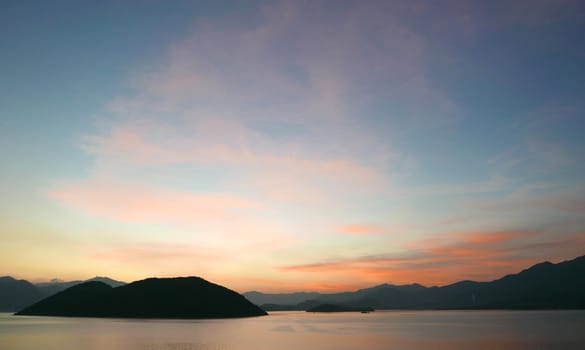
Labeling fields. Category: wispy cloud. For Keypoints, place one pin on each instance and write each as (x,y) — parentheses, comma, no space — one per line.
(277,122)
(151,254)
(130,202)
(450,257)
(368,229)
(291,124)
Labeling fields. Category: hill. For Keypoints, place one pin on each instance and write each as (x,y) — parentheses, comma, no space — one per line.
(56,286)
(188,297)
(16,294)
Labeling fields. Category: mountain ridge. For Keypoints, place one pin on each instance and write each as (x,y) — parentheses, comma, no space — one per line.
(15,294)
(540,278)
(544,285)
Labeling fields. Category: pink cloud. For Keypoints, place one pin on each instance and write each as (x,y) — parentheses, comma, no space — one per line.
(137,260)
(149,253)
(211,109)
(364,229)
(227,75)
(135,203)
(202,106)
(218,224)
(281,175)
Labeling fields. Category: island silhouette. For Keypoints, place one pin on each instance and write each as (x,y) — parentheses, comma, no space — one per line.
(178,298)
(339,308)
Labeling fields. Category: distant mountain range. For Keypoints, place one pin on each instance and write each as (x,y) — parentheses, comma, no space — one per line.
(542,286)
(16,294)
(181,297)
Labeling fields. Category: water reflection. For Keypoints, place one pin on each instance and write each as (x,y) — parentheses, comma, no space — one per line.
(454,330)
(183,346)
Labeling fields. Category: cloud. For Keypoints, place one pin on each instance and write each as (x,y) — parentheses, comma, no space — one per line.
(367,229)
(449,258)
(130,202)
(297,66)
(453,20)
(277,174)
(570,201)
(221,225)
(254,132)
(136,260)
(275,108)
(150,253)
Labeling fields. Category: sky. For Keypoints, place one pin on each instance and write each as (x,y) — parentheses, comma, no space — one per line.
(291,145)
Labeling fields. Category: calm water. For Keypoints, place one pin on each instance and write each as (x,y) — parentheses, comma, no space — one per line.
(305,331)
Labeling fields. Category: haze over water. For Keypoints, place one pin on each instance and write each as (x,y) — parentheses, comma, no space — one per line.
(412,330)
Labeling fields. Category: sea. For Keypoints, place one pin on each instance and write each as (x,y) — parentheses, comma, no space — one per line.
(399,330)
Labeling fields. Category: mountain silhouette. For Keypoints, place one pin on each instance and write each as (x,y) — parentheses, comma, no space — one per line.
(185,297)
(55,286)
(542,286)
(16,294)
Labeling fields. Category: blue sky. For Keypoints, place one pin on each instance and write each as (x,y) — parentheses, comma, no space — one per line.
(291,145)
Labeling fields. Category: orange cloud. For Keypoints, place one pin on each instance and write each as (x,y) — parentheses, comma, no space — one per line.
(149,253)
(477,244)
(220,224)
(491,238)
(478,256)
(361,229)
(137,260)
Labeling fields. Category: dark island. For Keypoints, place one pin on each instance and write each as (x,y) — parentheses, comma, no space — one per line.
(181,298)
(339,308)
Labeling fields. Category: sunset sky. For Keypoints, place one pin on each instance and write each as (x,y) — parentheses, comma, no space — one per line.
(294,145)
